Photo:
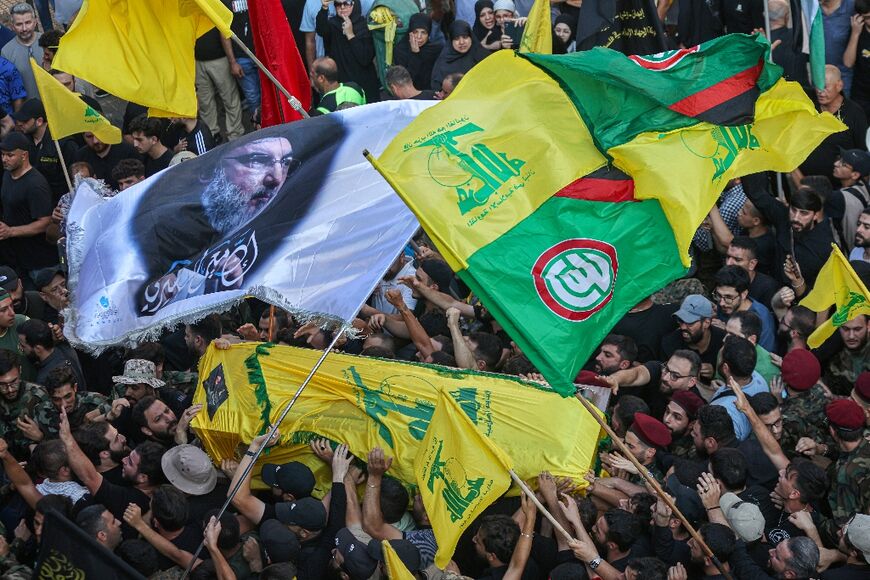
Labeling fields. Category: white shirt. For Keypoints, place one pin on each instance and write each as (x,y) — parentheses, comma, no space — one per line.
(379,296)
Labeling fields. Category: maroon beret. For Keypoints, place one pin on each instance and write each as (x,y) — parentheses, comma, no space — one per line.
(845,414)
(862,386)
(801,369)
(651,431)
(590,378)
(689,401)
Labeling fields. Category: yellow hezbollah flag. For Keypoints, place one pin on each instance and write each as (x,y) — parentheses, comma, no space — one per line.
(396,570)
(538,32)
(67,114)
(837,285)
(459,473)
(367,402)
(141,51)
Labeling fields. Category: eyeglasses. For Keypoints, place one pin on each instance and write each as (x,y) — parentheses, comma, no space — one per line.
(667,371)
(337,4)
(724,298)
(11,385)
(261,161)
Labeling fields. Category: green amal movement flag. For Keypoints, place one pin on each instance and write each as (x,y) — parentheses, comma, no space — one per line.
(564,189)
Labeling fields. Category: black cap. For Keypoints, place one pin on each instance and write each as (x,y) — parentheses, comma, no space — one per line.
(440,273)
(405,550)
(279,543)
(308,513)
(45,277)
(358,563)
(294,478)
(8,279)
(31,109)
(857,159)
(15,140)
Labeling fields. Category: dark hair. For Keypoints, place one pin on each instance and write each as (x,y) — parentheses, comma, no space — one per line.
(91,439)
(628,405)
(59,377)
(763,403)
(150,351)
(36,333)
(9,360)
(443,358)
(128,168)
(169,507)
(720,539)
(398,75)
(625,346)
(643,504)
(806,198)
(745,243)
(488,348)
(715,422)
(74,167)
(518,365)
(750,322)
(688,471)
(394,499)
(279,571)
(150,454)
(818,184)
(804,557)
(140,555)
(500,534)
(648,568)
(60,503)
(693,358)
(811,481)
(803,320)
(90,519)
(453,78)
(378,351)
(149,126)
(733,276)
(282,319)
(588,512)
(740,356)
(205,571)
(754,212)
(623,528)
(137,413)
(50,38)
(209,328)
(862,7)
(230,535)
(49,457)
(729,466)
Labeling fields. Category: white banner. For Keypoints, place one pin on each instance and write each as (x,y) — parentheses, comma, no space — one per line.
(293,215)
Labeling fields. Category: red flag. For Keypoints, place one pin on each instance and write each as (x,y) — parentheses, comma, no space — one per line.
(276,48)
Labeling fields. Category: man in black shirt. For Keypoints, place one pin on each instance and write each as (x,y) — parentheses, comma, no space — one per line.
(188,135)
(146,132)
(647,323)
(25,197)
(44,155)
(696,332)
(104,157)
(216,74)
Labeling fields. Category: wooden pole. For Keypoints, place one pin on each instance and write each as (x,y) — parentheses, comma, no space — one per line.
(63,165)
(539,505)
(653,483)
(294,102)
(271,322)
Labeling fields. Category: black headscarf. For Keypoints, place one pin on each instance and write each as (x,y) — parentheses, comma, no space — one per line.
(419,64)
(483,34)
(570,21)
(452,61)
(420,20)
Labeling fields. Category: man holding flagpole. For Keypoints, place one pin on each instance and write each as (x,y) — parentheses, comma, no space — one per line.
(31,120)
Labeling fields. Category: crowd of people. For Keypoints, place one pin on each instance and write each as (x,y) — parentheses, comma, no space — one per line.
(758,439)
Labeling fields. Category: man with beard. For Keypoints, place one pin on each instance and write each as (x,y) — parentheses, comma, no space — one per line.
(181,253)
(861,251)
(680,413)
(855,356)
(731,294)
(738,364)
(743,252)
(30,303)
(761,470)
(103,157)
(696,332)
(721,541)
(18,398)
(105,447)
(616,353)
(795,328)
(64,399)
(157,422)
(800,234)
(713,430)
(36,342)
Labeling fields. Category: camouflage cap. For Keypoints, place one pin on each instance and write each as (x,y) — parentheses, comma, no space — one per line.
(138,371)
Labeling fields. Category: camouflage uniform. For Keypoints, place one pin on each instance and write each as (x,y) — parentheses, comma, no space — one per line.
(10,569)
(184,381)
(49,419)
(653,469)
(850,487)
(803,415)
(845,368)
(684,446)
(30,396)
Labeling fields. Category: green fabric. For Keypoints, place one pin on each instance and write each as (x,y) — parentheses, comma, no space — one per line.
(9,341)
(632,99)
(645,263)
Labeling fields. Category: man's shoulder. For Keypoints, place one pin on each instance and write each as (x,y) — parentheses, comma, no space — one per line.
(92,398)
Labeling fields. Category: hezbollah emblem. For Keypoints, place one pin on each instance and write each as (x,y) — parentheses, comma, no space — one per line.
(575,278)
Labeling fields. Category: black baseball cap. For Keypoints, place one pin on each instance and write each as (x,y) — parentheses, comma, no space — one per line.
(31,109)
(857,159)
(15,140)
(308,513)
(294,478)
(8,279)
(358,563)
(279,543)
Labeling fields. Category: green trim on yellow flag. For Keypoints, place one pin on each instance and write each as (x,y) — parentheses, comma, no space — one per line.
(538,31)
(837,285)
(459,474)
(66,114)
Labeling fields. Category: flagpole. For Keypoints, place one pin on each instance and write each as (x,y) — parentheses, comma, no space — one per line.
(63,165)
(271,320)
(272,430)
(653,483)
(539,505)
(294,102)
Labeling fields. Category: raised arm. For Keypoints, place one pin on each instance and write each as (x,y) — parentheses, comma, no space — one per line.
(78,461)
(464,356)
(765,437)
(17,475)
(248,505)
(373,518)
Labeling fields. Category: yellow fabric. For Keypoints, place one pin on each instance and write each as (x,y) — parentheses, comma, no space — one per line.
(384,18)
(837,285)
(786,129)
(459,473)
(471,167)
(67,114)
(396,570)
(368,402)
(538,32)
(141,51)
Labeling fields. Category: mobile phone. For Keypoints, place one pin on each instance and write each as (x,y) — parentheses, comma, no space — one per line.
(515,32)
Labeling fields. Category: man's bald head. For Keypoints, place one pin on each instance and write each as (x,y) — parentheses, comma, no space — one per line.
(326,67)
(830,97)
(778,11)
(832,74)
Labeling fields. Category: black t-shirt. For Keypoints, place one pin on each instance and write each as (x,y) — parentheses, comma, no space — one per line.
(45,158)
(821,160)
(199,505)
(116,498)
(674,341)
(103,165)
(647,328)
(208,46)
(766,253)
(114,475)
(761,471)
(861,78)
(188,540)
(25,200)
(763,288)
(152,166)
(199,140)
(241,26)
(847,572)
